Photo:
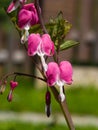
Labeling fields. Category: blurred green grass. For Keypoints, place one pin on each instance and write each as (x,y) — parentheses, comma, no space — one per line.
(81,100)
(28,126)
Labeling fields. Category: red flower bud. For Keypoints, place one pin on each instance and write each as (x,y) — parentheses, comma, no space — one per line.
(48,102)
(13,84)
(48,98)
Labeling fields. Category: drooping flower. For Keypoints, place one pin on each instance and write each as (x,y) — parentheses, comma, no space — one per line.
(14,5)
(27,17)
(2,86)
(59,74)
(40,45)
(13,85)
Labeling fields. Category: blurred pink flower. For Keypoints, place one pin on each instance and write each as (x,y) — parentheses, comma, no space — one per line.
(59,74)
(14,5)
(27,17)
(40,45)
(13,85)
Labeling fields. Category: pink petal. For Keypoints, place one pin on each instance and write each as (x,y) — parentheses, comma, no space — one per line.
(13,84)
(47,45)
(13,6)
(27,16)
(66,71)
(29,7)
(33,43)
(52,73)
(24,18)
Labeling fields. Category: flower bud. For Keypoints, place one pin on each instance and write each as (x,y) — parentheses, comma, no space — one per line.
(48,98)
(3,86)
(48,102)
(10,96)
(48,110)
(13,85)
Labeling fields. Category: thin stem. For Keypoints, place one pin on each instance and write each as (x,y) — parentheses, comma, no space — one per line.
(64,108)
(40,16)
(22,74)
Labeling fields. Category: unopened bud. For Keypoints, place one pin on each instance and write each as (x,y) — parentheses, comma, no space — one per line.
(13,85)
(3,87)
(48,110)
(10,96)
(48,102)
(48,98)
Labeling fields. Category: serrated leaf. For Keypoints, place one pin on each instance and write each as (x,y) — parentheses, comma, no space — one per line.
(68,44)
(58,29)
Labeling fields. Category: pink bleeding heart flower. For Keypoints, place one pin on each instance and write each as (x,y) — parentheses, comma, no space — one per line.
(27,17)
(14,5)
(59,74)
(40,45)
(66,72)
(52,73)
(13,85)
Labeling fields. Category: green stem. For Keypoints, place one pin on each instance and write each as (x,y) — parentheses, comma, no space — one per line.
(64,108)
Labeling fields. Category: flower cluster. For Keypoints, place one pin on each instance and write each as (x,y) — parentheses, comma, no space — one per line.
(41,45)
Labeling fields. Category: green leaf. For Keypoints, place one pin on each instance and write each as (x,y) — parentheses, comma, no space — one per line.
(58,28)
(68,44)
(36,29)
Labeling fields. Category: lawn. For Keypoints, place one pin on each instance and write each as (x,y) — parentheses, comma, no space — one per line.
(28,126)
(81,100)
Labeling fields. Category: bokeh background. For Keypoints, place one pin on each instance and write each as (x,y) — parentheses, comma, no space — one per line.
(26,111)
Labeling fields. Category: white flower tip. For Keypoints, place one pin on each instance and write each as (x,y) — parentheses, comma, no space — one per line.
(62,96)
(23,40)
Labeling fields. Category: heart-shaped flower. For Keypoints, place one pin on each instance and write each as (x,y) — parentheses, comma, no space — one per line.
(27,17)
(40,45)
(14,5)
(59,74)
(13,84)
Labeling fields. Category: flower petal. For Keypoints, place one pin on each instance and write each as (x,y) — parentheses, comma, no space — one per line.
(27,16)
(66,72)
(24,18)
(47,45)
(13,6)
(33,44)
(52,73)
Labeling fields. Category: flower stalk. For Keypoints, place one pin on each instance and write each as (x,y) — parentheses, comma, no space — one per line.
(63,104)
